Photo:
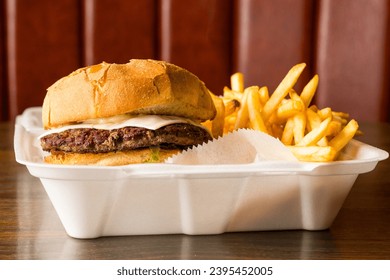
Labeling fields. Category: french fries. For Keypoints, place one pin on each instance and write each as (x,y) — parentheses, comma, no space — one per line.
(254,109)
(312,134)
(216,126)
(282,90)
(237,82)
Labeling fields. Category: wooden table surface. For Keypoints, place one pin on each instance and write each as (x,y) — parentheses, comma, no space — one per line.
(30,228)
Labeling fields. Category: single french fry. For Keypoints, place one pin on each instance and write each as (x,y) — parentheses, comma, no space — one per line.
(230,119)
(231,94)
(282,90)
(264,95)
(290,107)
(345,135)
(231,105)
(297,99)
(243,114)
(299,126)
(325,113)
(288,132)
(314,153)
(323,142)
(313,120)
(314,108)
(226,90)
(342,121)
(237,82)
(342,115)
(334,128)
(254,109)
(207,124)
(230,122)
(309,91)
(294,96)
(316,134)
(217,124)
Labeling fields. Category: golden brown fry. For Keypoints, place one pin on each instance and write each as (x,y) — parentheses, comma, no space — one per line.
(231,94)
(289,108)
(342,121)
(254,109)
(313,120)
(264,95)
(219,121)
(226,90)
(297,99)
(312,134)
(231,105)
(342,115)
(288,132)
(323,142)
(314,153)
(237,82)
(309,91)
(282,90)
(334,128)
(325,113)
(243,114)
(314,108)
(299,126)
(230,122)
(207,124)
(315,135)
(345,135)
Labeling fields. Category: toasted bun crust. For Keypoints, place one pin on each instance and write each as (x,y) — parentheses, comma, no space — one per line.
(139,87)
(112,158)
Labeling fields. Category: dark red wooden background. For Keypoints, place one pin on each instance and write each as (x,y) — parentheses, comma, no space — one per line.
(346,42)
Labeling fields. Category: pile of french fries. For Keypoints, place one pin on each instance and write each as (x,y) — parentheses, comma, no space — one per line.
(312,134)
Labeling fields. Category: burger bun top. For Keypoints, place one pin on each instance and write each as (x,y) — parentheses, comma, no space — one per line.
(142,86)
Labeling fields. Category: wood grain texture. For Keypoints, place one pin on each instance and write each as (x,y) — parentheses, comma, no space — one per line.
(270,37)
(353,57)
(347,44)
(196,35)
(3,70)
(30,228)
(43,44)
(117,31)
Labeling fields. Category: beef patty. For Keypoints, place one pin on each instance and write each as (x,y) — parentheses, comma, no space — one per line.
(89,140)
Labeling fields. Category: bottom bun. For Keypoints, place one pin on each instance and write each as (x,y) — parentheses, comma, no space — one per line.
(149,155)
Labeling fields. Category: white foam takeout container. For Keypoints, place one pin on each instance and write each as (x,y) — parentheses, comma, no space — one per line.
(93,201)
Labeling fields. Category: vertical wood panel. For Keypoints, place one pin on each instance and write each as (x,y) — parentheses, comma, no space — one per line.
(41,41)
(196,35)
(116,31)
(353,57)
(270,37)
(43,45)
(3,88)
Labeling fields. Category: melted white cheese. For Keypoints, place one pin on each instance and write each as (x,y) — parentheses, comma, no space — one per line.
(147,121)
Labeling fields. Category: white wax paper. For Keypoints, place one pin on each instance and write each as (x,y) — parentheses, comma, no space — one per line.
(238,147)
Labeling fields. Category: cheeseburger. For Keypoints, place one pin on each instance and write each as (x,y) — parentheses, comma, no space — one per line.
(117,114)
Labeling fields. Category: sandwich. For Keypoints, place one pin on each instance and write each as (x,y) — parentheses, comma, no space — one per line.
(117,114)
